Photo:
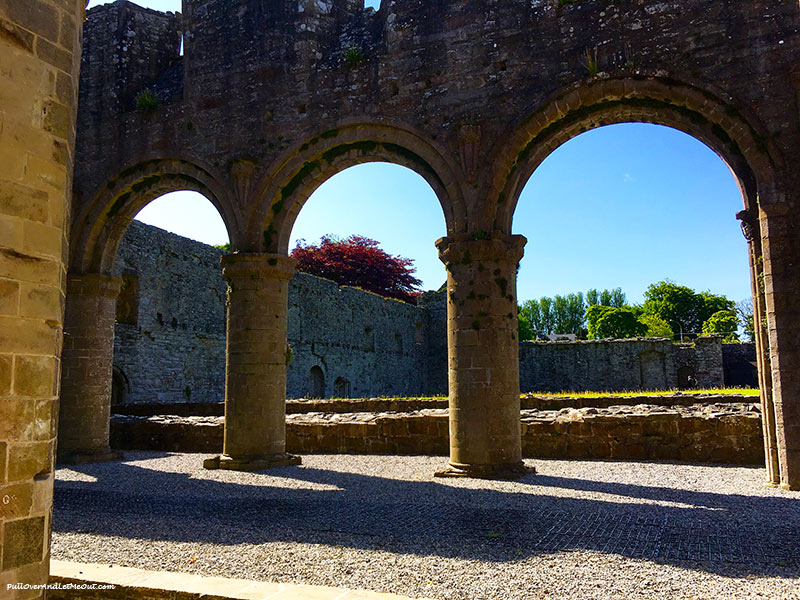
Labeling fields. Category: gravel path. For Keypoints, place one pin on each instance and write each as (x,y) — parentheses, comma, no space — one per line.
(577,529)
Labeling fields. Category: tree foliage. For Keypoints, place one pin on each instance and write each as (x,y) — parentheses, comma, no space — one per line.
(656,326)
(613,322)
(684,309)
(545,316)
(359,261)
(723,322)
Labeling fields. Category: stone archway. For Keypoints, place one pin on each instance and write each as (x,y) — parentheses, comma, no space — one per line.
(742,144)
(92,292)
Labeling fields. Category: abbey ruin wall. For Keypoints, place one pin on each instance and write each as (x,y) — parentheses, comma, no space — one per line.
(170,334)
(169,342)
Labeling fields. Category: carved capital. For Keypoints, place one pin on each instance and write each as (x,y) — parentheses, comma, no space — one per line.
(749,225)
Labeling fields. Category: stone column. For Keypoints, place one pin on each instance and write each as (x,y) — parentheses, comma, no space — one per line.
(255,376)
(87,366)
(750,229)
(781,252)
(483,350)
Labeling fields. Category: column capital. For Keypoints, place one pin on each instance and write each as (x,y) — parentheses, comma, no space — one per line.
(266,266)
(466,248)
(93,284)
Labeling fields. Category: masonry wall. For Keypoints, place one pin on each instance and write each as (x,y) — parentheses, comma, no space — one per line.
(619,365)
(362,344)
(39,43)
(170,334)
(170,339)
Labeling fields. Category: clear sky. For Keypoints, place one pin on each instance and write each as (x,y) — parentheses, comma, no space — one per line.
(620,206)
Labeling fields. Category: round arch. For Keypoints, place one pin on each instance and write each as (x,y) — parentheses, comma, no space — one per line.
(286,191)
(98,232)
(719,124)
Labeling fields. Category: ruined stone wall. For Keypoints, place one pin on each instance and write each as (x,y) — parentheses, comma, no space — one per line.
(363,344)
(619,365)
(739,363)
(169,340)
(170,334)
(727,432)
(39,48)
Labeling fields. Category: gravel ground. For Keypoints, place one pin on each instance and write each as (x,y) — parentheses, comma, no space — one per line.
(577,529)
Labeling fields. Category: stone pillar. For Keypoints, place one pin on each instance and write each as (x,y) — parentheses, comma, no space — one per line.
(255,376)
(483,350)
(750,229)
(87,367)
(781,252)
(40,57)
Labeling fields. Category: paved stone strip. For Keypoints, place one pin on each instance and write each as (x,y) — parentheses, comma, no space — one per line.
(135,584)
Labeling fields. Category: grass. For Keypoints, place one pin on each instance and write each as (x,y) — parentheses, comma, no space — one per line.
(719,391)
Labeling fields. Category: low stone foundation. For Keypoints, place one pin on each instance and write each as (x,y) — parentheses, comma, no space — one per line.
(728,432)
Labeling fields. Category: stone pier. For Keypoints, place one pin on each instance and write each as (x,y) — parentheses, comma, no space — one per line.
(257,354)
(87,368)
(483,356)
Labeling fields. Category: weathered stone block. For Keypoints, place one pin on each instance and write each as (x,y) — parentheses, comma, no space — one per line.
(23,201)
(6,363)
(35,376)
(23,542)
(29,460)
(15,501)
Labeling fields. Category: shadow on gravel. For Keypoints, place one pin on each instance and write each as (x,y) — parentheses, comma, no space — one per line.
(725,534)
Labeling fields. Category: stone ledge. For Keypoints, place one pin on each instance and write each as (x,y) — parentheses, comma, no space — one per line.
(136,583)
(717,432)
(354,405)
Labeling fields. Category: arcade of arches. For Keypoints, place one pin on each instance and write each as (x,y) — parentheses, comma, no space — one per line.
(263,106)
(259,161)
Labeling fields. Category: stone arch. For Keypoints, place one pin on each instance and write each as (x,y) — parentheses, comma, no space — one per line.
(316,382)
(98,230)
(322,156)
(120,387)
(711,117)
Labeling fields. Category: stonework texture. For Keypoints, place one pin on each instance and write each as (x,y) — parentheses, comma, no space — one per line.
(39,51)
(169,338)
(725,432)
(268,101)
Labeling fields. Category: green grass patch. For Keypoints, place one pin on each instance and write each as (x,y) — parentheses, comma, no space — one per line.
(654,393)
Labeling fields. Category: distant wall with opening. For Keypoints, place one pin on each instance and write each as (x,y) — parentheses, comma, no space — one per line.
(620,365)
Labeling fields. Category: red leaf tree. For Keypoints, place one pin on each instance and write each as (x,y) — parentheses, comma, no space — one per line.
(359,262)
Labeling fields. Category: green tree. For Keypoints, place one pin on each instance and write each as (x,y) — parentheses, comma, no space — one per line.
(615,298)
(684,309)
(656,326)
(614,322)
(723,322)
(593,314)
(569,313)
(524,326)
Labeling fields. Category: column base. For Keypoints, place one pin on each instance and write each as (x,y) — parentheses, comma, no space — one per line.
(85,458)
(262,463)
(505,472)
(790,487)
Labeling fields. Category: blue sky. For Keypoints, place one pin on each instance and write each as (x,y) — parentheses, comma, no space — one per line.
(620,206)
